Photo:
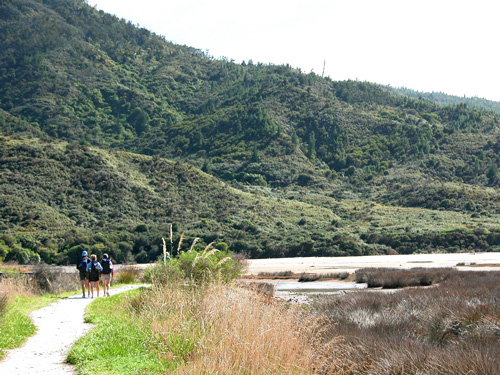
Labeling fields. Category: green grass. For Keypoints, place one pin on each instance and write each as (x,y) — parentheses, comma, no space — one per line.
(15,325)
(117,345)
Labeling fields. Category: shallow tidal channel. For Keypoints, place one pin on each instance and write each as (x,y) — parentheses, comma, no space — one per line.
(301,292)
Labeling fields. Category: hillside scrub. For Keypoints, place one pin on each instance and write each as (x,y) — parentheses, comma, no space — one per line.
(86,144)
(448,328)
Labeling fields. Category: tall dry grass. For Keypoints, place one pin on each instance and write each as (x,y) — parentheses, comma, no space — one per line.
(449,328)
(223,329)
(11,287)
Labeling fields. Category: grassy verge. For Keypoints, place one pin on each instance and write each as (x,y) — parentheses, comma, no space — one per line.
(20,295)
(15,324)
(119,344)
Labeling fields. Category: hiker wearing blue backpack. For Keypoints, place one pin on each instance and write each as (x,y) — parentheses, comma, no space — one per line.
(84,275)
(94,269)
(107,273)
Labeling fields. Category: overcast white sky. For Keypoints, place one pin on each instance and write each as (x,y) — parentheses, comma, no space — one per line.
(427,45)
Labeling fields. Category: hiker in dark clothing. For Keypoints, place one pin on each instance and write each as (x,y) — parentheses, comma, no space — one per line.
(94,269)
(84,275)
(107,273)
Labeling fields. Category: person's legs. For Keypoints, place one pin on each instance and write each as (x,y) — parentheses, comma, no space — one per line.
(92,288)
(97,282)
(106,287)
(83,287)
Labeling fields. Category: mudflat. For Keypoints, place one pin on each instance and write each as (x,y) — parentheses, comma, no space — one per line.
(323,265)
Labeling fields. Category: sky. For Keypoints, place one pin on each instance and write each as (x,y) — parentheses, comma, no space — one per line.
(448,46)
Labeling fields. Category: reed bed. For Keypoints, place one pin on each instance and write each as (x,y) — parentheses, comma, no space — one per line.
(449,328)
(309,277)
(391,278)
(276,274)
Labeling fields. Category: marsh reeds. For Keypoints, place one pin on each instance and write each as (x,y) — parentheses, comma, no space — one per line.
(452,327)
(392,278)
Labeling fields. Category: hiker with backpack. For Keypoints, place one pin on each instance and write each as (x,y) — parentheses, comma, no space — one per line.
(84,275)
(94,269)
(107,273)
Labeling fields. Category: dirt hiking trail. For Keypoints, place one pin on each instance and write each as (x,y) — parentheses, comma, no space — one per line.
(58,325)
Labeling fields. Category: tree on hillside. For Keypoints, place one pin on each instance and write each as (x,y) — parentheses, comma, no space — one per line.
(139,119)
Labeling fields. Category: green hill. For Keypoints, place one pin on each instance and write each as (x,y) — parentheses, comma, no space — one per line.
(106,128)
(58,198)
(445,99)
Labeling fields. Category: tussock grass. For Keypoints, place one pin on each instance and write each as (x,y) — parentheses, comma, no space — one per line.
(11,287)
(222,329)
(127,275)
(450,328)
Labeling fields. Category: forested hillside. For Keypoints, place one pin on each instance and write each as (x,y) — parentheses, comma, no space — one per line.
(107,127)
(445,99)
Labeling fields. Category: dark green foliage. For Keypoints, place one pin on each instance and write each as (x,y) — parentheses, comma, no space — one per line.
(445,99)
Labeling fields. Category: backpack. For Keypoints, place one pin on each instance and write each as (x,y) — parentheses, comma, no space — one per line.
(82,267)
(106,266)
(94,271)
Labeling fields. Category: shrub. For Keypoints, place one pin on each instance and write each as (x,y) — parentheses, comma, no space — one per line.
(209,265)
(198,267)
(49,279)
(163,273)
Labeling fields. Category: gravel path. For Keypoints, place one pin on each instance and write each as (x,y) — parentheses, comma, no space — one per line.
(59,325)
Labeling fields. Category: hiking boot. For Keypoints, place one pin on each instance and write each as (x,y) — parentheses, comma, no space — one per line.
(83,295)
